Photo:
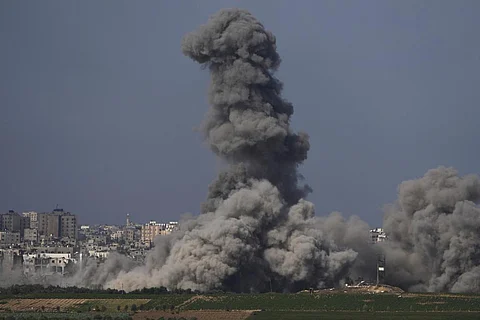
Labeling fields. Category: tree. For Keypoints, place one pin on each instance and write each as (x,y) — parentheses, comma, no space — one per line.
(58,308)
(118,308)
(103,308)
(133,307)
(126,307)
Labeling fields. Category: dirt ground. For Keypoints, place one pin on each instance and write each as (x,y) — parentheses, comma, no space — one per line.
(200,315)
(37,304)
(64,304)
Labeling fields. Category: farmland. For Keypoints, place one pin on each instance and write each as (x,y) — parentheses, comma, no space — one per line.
(337,302)
(315,315)
(324,305)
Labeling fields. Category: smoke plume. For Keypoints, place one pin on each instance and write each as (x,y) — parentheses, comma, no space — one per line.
(434,233)
(256,232)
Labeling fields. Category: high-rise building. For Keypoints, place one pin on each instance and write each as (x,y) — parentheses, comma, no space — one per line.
(14,222)
(68,226)
(11,221)
(57,224)
(33,217)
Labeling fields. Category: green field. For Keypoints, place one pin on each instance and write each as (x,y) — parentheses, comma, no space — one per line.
(338,302)
(325,305)
(159,302)
(305,315)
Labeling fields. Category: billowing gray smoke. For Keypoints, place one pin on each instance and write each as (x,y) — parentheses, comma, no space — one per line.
(255,232)
(434,231)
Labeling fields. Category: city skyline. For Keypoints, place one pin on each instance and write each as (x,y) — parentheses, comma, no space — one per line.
(124,221)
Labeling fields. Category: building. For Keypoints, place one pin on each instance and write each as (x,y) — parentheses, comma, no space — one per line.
(130,234)
(117,235)
(9,238)
(33,217)
(10,259)
(46,263)
(11,221)
(14,222)
(153,229)
(68,226)
(99,254)
(377,235)
(30,235)
(57,224)
(172,226)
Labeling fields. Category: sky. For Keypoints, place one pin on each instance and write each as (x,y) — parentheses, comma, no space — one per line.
(100,110)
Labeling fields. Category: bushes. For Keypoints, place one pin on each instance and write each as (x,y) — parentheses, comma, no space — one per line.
(40,291)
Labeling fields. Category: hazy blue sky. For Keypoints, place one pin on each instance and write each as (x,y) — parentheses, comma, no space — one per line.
(98,105)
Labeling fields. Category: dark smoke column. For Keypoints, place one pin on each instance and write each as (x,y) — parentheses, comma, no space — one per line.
(434,233)
(256,229)
(248,123)
(256,232)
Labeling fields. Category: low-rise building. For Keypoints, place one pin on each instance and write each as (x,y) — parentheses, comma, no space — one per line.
(103,254)
(46,263)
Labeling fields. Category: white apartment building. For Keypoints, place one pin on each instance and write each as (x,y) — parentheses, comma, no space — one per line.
(46,263)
